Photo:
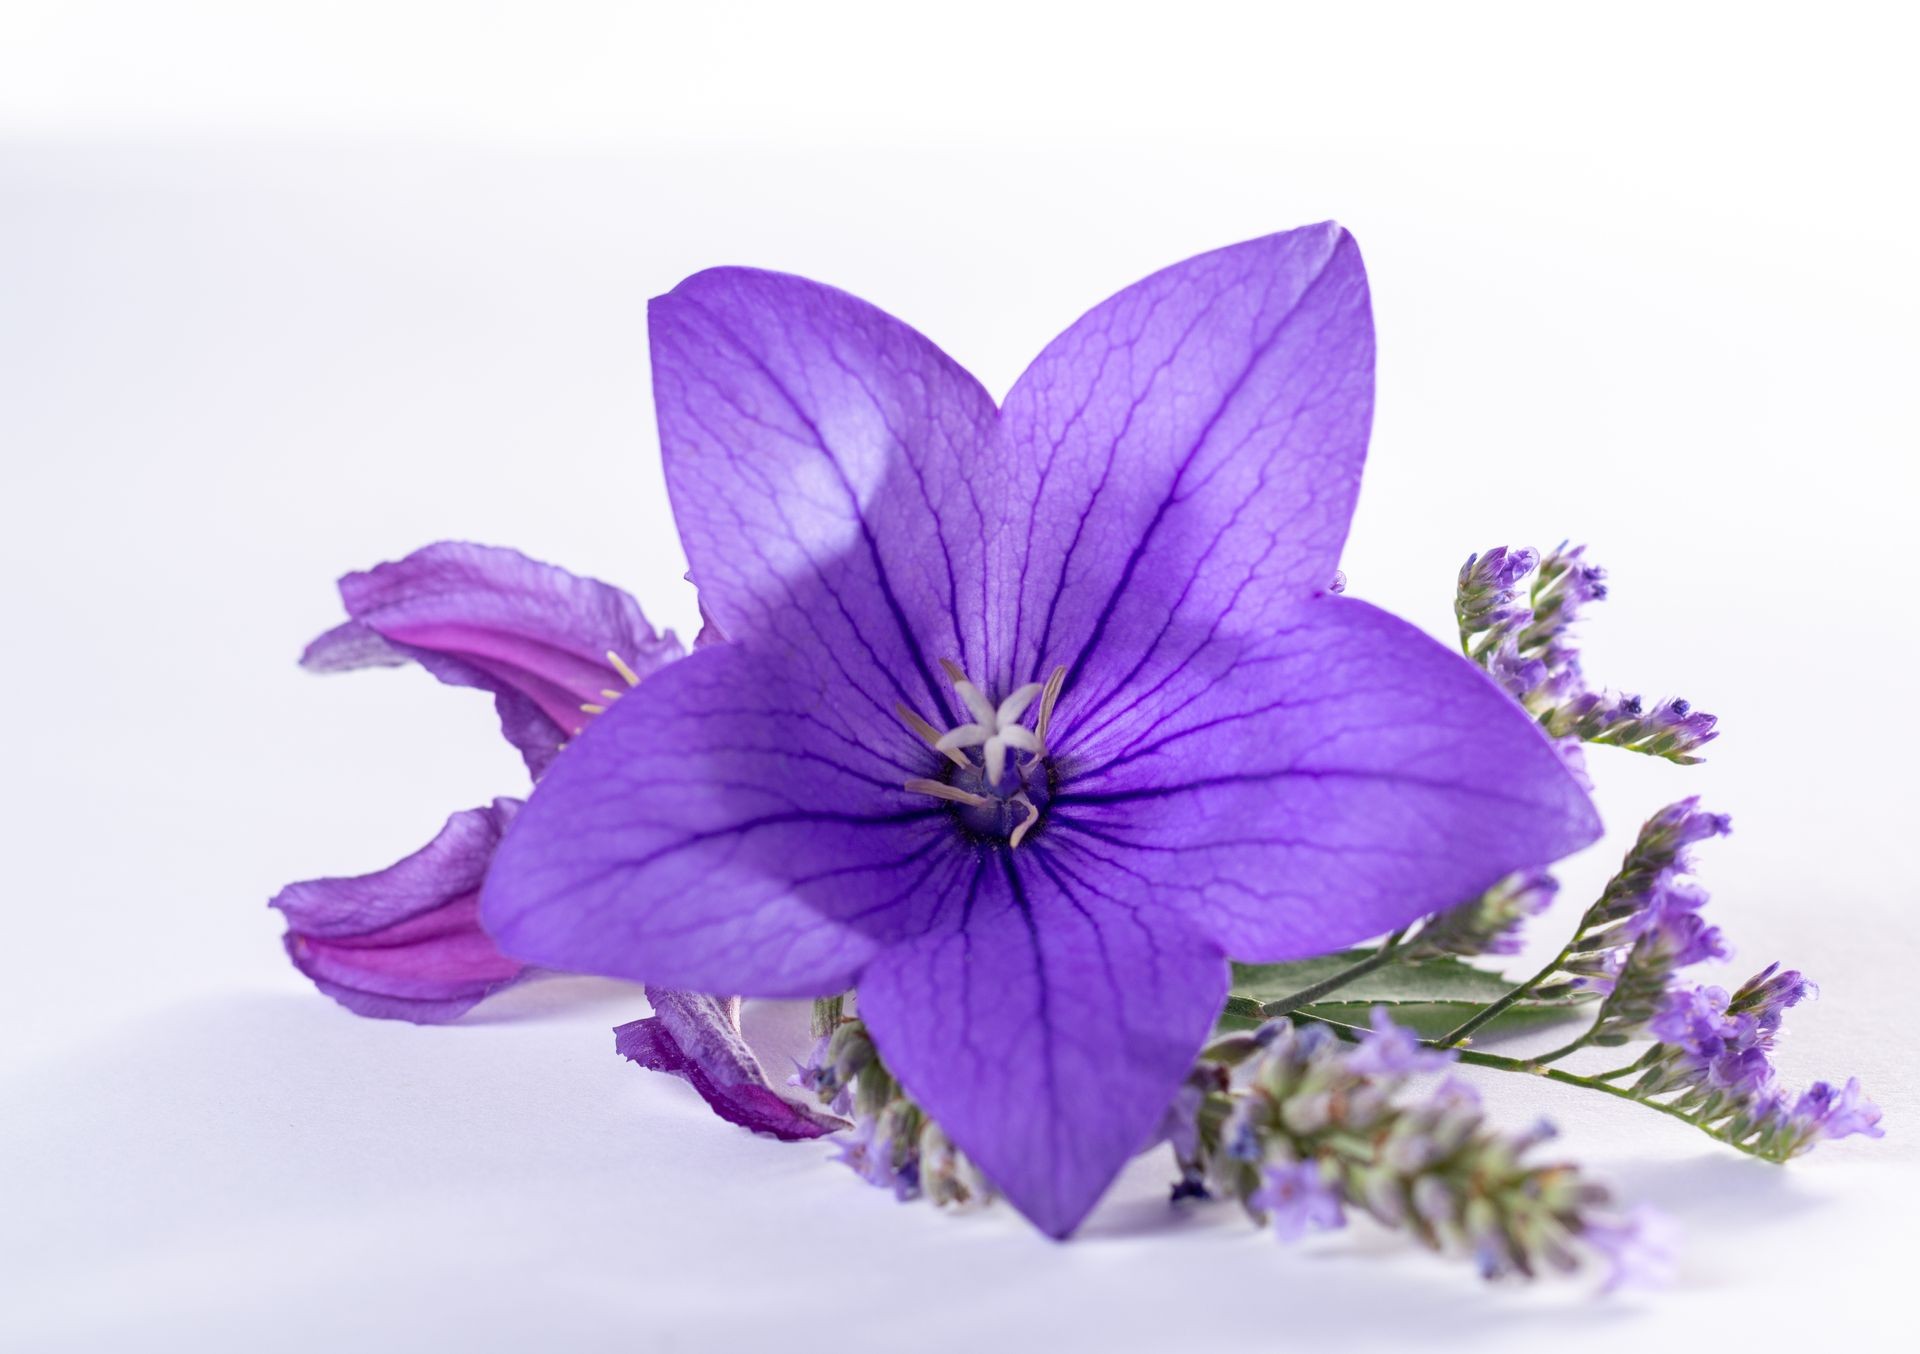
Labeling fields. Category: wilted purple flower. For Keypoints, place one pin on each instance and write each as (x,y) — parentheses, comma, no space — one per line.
(405,943)
(1118,580)
(1297,1199)
(698,1038)
(552,647)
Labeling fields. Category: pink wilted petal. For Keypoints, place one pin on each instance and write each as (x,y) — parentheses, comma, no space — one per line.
(698,1038)
(545,642)
(405,943)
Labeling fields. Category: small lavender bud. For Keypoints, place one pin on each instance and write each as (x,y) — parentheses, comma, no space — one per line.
(1490,923)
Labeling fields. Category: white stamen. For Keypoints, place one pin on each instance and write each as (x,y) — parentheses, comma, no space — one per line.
(1033,816)
(594,709)
(1055,680)
(929,734)
(941,790)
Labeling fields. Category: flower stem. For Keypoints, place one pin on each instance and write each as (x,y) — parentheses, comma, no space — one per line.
(1306,996)
(1461,1032)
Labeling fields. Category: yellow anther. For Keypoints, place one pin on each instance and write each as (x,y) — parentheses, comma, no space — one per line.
(619,665)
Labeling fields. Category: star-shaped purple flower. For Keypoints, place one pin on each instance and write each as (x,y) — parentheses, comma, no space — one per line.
(1031,715)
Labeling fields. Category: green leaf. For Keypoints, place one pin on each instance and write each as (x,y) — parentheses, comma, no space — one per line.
(1430,997)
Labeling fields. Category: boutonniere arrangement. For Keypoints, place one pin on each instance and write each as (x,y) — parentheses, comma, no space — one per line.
(1040,745)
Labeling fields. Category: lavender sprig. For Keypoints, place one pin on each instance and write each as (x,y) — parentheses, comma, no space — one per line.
(1487,924)
(1300,1127)
(894,1145)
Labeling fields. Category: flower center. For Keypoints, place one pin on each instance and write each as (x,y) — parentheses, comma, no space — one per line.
(1003,794)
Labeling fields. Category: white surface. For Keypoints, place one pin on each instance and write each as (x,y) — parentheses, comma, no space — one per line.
(281,296)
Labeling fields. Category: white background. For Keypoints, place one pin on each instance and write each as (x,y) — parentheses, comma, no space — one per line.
(286,290)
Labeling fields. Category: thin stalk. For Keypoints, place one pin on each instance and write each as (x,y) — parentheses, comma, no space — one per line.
(1459,1033)
(1306,996)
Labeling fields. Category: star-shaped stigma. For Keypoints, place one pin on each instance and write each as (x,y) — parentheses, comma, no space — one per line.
(995,728)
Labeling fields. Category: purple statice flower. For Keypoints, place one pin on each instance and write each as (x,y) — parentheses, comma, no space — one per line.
(1647,923)
(1395,1051)
(698,1038)
(1564,587)
(1822,1111)
(406,942)
(1296,1199)
(1487,601)
(1713,1047)
(1770,994)
(1526,644)
(1713,1064)
(1672,729)
(1027,716)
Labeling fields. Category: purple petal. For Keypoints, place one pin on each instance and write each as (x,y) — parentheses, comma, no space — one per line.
(1338,779)
(1183,461)
(534,635)
(698,1038)
(826,469)
(1046,1025)
(405,943)
(724,830)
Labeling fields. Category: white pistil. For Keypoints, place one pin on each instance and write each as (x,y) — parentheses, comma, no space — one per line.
(994,728)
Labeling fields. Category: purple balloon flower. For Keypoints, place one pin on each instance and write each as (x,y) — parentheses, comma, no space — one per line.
(1032,715)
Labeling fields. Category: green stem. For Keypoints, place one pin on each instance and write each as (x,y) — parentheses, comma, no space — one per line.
(1306,996)
(1460,1033)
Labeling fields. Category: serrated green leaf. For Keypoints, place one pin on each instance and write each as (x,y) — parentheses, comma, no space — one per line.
(1430,997)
